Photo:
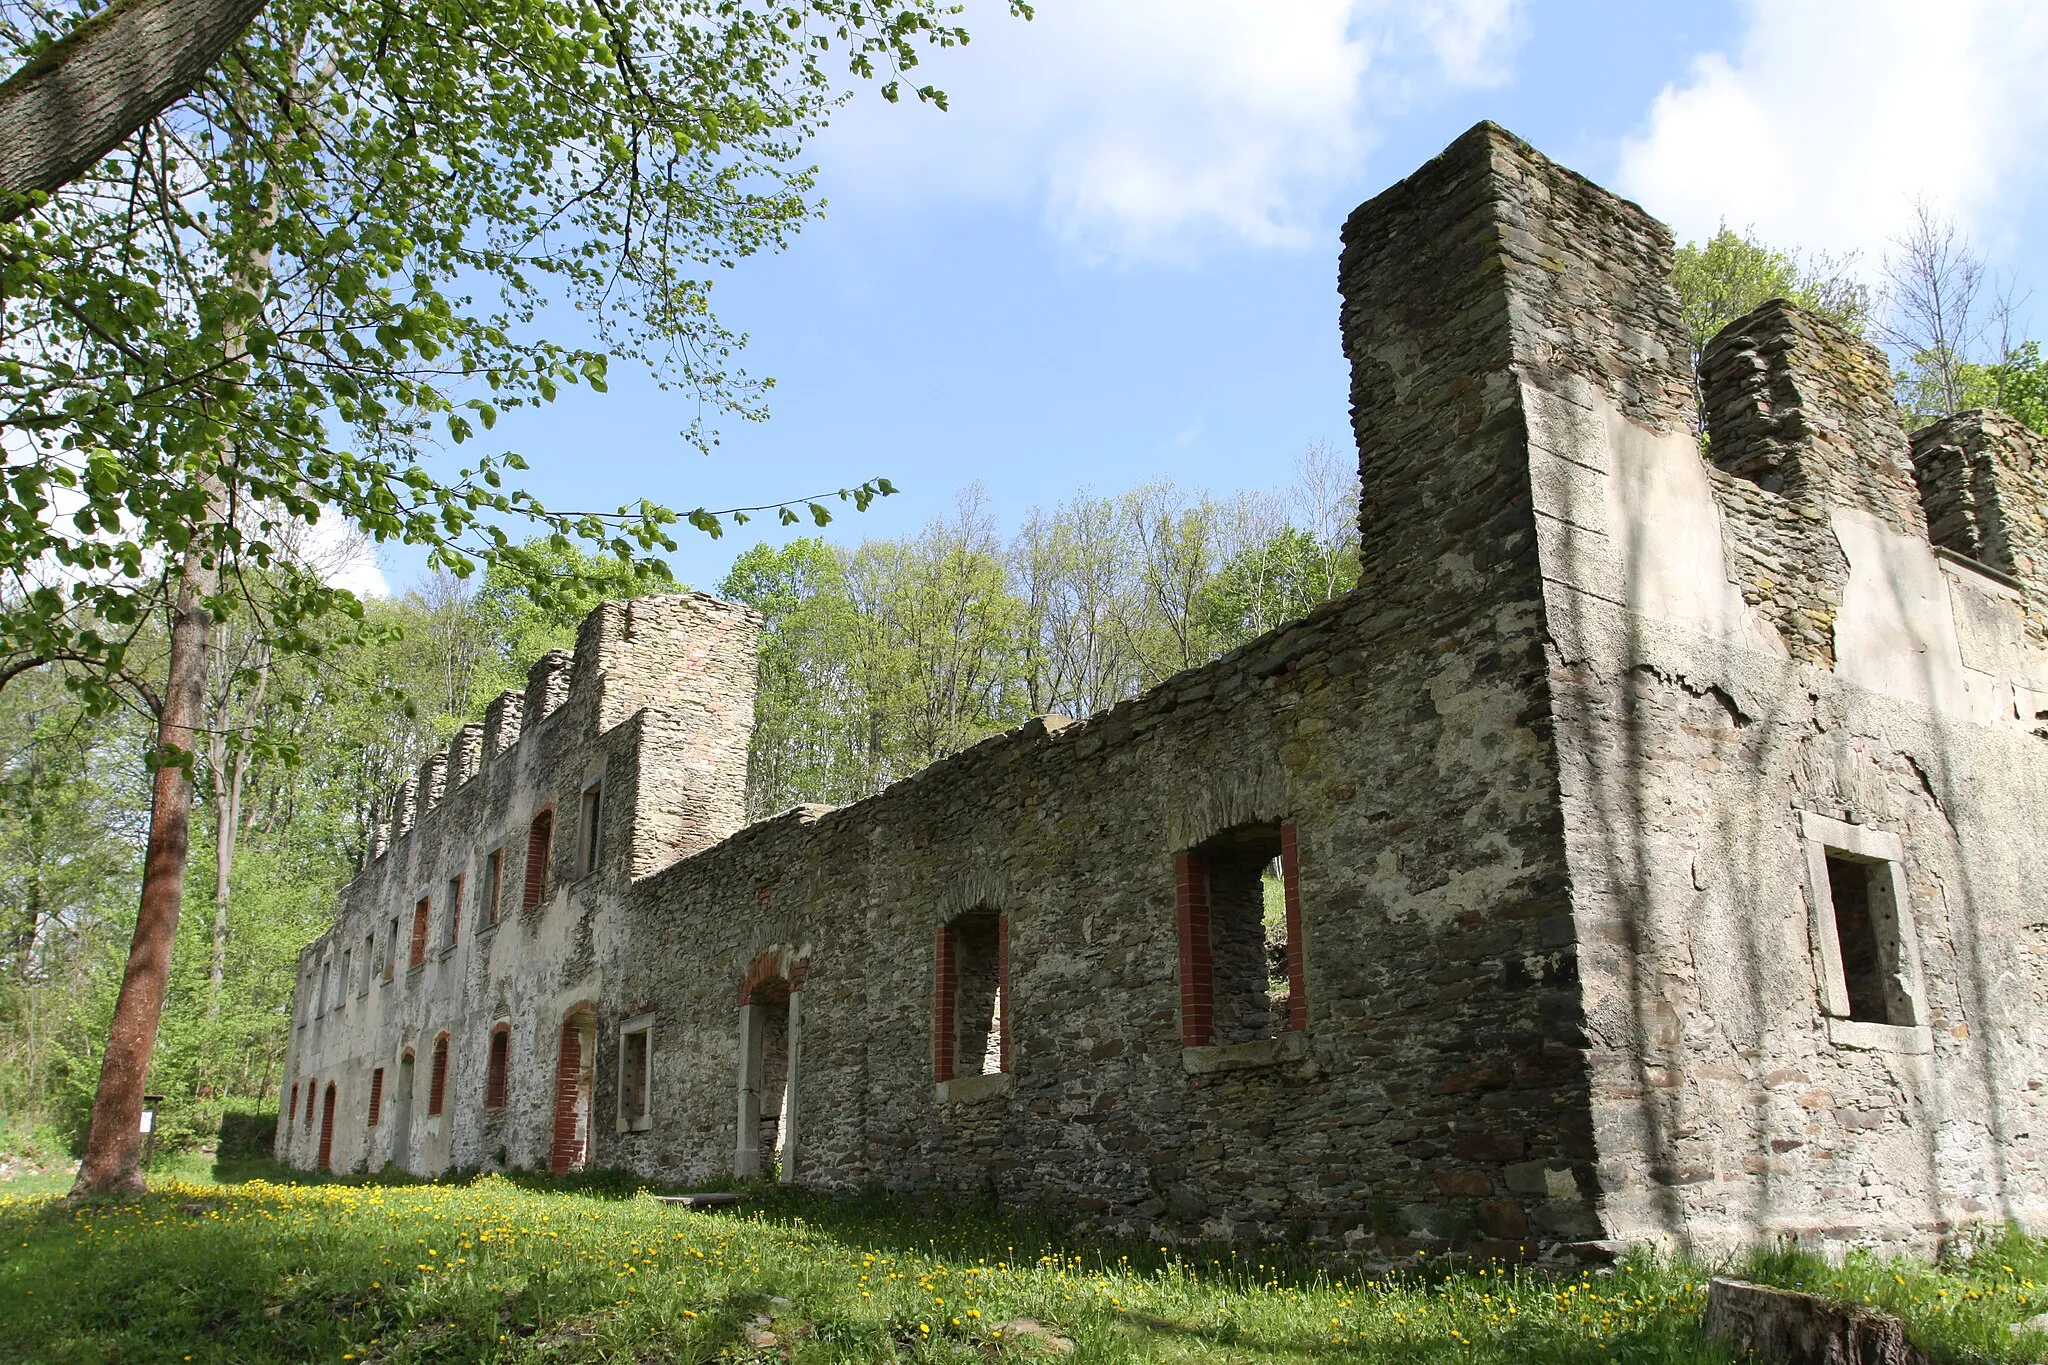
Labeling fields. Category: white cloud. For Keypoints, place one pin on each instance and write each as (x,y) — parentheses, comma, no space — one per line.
(1151,128)
(344,558)
(1834,114)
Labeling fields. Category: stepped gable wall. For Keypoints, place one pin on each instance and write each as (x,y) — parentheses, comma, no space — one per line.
(640,708)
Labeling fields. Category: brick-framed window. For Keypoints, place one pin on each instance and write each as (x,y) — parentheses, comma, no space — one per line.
(1237,901)
(452,932)
(540,846)
(589,827)
(376,1097)
(324,1161)
(420,912)
(971,992)
(493,888)
(437,1084)
(1866,950)
(498,1059)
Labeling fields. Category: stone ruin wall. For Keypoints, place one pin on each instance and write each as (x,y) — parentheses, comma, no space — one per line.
(1556,776)
(655,704)
(1754,657)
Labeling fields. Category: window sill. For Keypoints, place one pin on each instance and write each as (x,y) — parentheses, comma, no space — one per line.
(975,1089)
(1912,1039)
(1253,1056)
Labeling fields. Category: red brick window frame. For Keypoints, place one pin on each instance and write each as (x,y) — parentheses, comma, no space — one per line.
(324,1160)
(1218,896)
(495,1068)
(418,956)
(540,845)
(437,1086)
(971,996)
(376,1097)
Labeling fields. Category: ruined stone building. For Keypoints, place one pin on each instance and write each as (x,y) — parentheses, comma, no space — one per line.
(1650,849)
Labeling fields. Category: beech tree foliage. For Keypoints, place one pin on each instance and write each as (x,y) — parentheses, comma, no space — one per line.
(319,280)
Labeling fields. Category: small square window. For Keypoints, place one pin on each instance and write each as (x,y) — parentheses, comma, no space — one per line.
(636,1074)
(1867,959)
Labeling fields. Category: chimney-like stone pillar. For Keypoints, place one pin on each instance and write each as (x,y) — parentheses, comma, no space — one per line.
(1983,478)
(501,722)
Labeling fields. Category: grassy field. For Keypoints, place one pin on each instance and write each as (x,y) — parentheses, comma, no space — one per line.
(259,1270)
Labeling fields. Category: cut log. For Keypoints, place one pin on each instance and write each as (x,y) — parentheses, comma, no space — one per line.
(1783,1325)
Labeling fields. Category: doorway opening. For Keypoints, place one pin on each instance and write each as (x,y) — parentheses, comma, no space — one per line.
(575,1073)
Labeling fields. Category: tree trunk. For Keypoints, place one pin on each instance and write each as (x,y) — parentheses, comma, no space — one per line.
(230,774)
(113,1140)
(82,96)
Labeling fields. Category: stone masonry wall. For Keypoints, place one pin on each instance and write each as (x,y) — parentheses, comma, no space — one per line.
(1757,662)
(655,705)
(1560,796)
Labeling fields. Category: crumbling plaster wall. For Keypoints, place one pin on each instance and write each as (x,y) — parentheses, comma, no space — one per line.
(673,777)
(1736,642)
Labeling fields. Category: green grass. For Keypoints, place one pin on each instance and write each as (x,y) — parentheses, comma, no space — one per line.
(261,1269)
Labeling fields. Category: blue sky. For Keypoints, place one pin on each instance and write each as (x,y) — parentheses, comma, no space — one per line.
(1114,260)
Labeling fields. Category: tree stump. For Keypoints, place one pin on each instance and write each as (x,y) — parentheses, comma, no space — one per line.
(1783,1325)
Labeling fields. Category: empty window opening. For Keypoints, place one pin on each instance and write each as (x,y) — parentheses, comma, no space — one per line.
(1866,923)
(418,956)
(376,1097)
(573,1074)
(494,1071)
(636,1053)
(494,884)
(972,1035)
(772,1069)
(451,932)
(1239,903)
(589,828)
(324,1161)
(437,1084)
(401,1112)
(391,950)
(540,839)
